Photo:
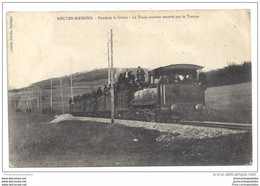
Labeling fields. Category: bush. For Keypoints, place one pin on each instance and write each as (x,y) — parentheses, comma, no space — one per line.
(231,74)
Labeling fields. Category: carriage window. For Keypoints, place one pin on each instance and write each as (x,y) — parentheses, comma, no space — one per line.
(151,80)
(184,78)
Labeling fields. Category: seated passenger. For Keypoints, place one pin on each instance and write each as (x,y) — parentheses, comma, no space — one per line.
(187,79)
(156,81)
(99,91)
(177,78)
(163,80)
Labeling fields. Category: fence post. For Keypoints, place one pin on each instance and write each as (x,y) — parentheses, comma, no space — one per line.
(61,96)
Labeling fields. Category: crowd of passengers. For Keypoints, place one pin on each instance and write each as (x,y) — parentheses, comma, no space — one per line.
(126,81)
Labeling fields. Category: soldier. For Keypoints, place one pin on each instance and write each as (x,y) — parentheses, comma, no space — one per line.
(138,85)
(187,79)
(18,103)
(120,83)
(163,80)
(70,102)
(77,102)
(202,81)
(140,75)
(177,79)
(202,78)
(132,81)
(126,79)
(99,91)
(94,99)
(105,90)
(126,74)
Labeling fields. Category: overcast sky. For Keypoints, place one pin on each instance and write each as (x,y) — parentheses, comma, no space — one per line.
(45,47)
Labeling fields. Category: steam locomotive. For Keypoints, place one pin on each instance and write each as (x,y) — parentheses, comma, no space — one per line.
(171,92)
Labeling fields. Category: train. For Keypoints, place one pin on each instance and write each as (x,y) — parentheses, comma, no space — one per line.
(169,93)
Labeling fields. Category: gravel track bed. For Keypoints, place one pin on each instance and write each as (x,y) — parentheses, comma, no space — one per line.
(172,131)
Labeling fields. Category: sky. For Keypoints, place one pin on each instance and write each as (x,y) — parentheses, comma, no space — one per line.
(42,45)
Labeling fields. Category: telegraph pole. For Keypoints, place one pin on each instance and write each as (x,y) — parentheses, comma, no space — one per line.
(51,95)
(71,87)
(41,100)
(109,77)
(112,82)
(61,96)
(38,100)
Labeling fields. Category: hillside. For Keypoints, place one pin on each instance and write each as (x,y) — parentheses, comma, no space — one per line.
(231,74)
(94,78)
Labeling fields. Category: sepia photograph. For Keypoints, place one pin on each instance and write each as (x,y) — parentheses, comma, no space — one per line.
(168,88)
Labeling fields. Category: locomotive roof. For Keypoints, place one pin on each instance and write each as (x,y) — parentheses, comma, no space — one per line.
(179,66)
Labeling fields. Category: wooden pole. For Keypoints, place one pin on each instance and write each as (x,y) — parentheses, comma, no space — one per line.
(51,95)
(112,82)
(41,101)
(109,76)
(38,100)
(61,93)
(71,87)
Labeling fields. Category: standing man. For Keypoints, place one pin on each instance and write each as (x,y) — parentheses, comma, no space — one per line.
(70,102)
(99,91)
(18,104)
(105,90)
(132,81)
(140,76)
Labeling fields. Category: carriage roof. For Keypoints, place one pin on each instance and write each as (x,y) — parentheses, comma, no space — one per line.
(178,67)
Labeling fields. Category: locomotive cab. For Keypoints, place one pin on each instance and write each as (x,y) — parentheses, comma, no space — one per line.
(180,87)
(172,91)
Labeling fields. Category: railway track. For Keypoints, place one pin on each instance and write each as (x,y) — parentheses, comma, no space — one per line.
(237,126)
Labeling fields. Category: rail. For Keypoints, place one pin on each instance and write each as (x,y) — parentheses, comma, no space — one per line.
(238,126)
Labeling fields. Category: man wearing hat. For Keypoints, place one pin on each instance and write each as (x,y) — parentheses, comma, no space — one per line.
(140,75)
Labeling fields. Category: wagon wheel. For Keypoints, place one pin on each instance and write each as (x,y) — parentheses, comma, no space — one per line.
(149,115)
(177,118)
(158,118)
(125,115)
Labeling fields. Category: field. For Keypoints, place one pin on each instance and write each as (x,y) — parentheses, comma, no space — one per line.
(232,103)
(34,142)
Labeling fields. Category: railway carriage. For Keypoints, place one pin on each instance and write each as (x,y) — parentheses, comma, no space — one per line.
(171,92)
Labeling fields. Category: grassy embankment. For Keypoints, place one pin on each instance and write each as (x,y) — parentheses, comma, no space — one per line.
(36,143)
(231,103)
